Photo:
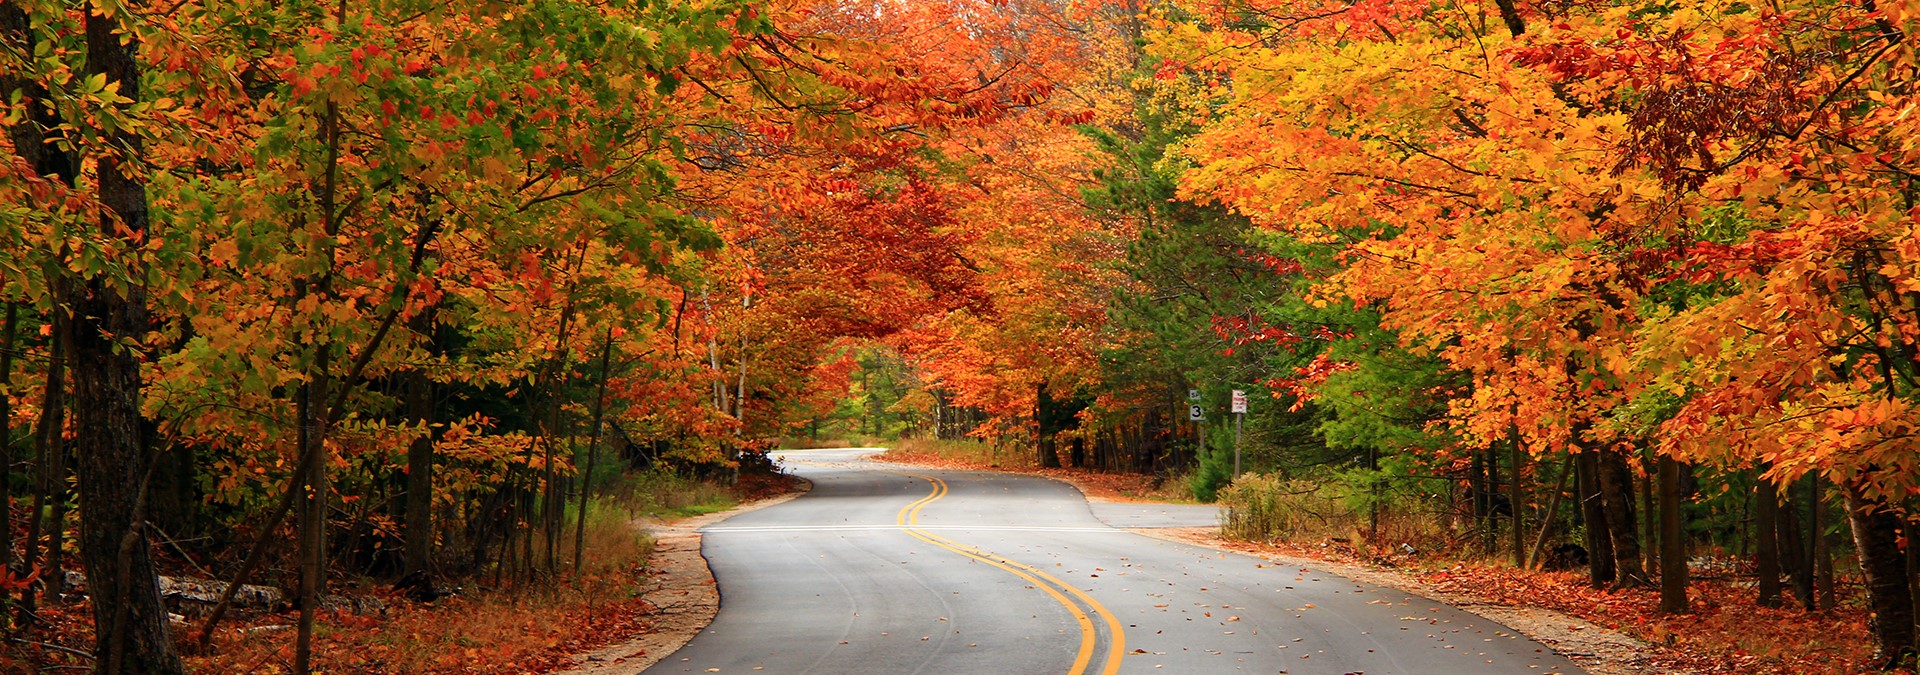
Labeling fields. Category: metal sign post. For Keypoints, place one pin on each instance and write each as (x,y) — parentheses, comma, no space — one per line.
(1239,414)
(1197,415)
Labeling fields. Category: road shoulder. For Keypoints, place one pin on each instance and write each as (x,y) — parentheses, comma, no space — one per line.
(1596,649)
(679,590)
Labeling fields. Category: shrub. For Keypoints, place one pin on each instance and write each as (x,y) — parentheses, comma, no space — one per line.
(1267,507)
(1212,471)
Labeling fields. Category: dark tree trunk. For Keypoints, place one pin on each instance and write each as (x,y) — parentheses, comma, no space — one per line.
(593,454)
(418,521)
(1478,493)
(1767,526)
(1876,539)
(30,142)
(1600,571)
(50,479)
(1673,540)
(1820,558)
(113,467)
(1616,482)
(1649,534)
(312,508)
(1794,561)
(1517,496)
(8,330)
(1044,438)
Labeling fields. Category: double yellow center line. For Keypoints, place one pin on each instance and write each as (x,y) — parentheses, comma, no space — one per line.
(1089,635)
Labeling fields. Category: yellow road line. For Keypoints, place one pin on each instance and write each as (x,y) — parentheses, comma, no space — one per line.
(1116,648)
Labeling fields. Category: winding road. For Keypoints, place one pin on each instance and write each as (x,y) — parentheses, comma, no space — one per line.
(886,568)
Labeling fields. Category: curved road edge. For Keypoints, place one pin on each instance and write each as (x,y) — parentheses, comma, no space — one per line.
(684,585)
(1596,649)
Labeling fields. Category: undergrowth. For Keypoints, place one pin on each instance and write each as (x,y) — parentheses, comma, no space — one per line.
(968,451)
(535,626)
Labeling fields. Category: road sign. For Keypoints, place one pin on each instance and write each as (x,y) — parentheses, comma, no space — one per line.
(1195,413)
(1193,394)
(1239,401)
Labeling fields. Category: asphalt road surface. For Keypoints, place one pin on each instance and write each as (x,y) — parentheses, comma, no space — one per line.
(891,569)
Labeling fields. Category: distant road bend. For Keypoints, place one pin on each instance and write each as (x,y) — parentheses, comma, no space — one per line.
(894,569)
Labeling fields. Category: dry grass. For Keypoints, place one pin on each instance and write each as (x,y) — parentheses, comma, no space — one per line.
(814,443)
(971,453)
(976,455)
(1268,508)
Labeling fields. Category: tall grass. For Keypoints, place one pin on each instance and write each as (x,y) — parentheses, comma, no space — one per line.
(1344,505)
(611,541)
(1266,507)
(968,451)
(664,494)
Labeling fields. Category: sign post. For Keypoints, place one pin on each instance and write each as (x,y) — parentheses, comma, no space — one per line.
(1197,415)
(1239,414)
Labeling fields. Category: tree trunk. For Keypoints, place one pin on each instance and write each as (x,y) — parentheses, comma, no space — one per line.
(1044,439)
(1600,570)
(1792,549)
(1490,518)
(310,411)
(1673,540)
(1478,492)
(8,330)
(1616,482)
(1767,526)
(1820,557)
(1553,509)
(1649,536)
(50,477)
(418,521)
(1516,495)
(1876,539)
(49,161)
(593,454)
(106,392)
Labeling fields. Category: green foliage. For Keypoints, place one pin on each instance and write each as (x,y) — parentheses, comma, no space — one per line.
(1212,471)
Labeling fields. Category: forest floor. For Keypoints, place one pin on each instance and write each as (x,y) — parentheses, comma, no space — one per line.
(1606,632)
(640,604)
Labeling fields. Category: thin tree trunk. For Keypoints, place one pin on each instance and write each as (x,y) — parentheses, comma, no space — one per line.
(1553,507)
(1793,550)
(1649,533)
(1616,482)
(1600,570)
(1673,541)
(1876,533)
(313,509)
(8,330)
(593,454)
(1821,556)
(1766,515)
(740,390)
(1478,490)
(1490,524)
(1044,441)
(1516,494)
